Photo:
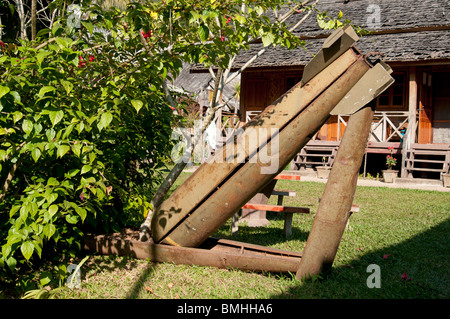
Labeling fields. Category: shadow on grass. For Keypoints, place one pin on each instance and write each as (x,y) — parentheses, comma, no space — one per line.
(138,286)
(266,236)
(416,268)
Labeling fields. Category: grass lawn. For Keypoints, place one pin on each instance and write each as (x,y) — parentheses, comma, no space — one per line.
(404,232)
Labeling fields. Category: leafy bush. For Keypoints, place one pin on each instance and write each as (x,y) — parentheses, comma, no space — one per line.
(83,138)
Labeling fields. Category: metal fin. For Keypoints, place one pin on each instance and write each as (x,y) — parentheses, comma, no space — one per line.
(335,45)
(371,84)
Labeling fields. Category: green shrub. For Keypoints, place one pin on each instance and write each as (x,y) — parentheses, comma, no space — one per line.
(83,138)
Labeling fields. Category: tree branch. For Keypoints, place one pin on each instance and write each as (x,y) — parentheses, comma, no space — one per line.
(263,50)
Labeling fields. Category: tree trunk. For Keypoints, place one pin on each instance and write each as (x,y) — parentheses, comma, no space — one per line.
(21,13)
(33,20)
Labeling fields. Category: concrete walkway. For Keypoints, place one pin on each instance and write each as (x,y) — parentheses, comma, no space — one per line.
(409,183)
(422,184)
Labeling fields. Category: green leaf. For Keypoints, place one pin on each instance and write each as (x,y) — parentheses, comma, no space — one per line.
(2,155)
(52,210)
(27,249)
(36,153)
(16,96)
(62,150)
(3,90)
(38,247)
(42,32)
(105,120)
(71,219)
(203,32)
(41,55)
(85,169)
(23,213)
(27,126)
(55,116)
(137,104)
(83,213)
(50,134)
(14,210)
(45,89)
(37,128)
(267,39)
(11,262)
(89,26)
(240,19)
(68,86)
(259,10)
(340,15)
(51,197)
(49,230)
(45,278)
(32,208)
(52,182)
(73,172)
(64,42)
(76,149)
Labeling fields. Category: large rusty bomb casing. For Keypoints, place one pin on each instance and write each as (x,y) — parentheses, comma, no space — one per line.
(215,171)
(217,190)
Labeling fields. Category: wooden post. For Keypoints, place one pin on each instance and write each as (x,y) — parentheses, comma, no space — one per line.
(410,134)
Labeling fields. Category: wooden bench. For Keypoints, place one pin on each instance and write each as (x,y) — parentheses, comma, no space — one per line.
(288,211)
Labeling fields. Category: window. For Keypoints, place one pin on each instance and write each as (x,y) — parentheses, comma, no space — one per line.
(394,98)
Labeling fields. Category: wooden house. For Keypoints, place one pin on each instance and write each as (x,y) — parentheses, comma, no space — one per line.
(412,116)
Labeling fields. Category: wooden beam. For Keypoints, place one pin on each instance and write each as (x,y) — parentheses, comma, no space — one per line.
(412,102)
(277,208)
(288,177)
(410,135)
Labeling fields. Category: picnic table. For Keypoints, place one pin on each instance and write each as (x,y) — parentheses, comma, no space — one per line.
(254,212)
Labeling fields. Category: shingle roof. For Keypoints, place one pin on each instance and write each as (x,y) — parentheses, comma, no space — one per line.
(398,47)
(408,30)
(394,14)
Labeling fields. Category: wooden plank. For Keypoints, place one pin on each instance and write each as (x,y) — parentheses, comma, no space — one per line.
(317,155)
(424,161)
(443,147)
(412,103)
(283,193)
(429,152)
(288,177)
(277,208)
(426,169)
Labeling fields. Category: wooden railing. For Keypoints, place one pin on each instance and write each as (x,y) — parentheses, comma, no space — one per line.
(388,126)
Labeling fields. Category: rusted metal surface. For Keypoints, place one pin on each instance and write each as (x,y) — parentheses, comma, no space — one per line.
(336,202)
(236,190)
(372,84)
(213,252)
(337,43)
(215,171)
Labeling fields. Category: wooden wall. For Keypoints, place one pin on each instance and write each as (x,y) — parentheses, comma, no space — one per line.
(414,90)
